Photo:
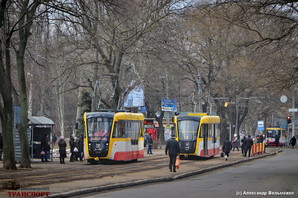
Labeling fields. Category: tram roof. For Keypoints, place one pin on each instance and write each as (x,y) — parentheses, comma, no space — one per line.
(275,128)
(100,114)
(117,115)
(207,119)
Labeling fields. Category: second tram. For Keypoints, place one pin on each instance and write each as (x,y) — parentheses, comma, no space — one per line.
(115,136)
(271,134)
(198,135)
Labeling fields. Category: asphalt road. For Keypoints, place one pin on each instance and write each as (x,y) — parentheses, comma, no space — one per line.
(268,177)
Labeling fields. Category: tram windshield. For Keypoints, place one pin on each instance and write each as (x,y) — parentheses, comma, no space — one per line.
(99,128)
(273,133)
(188,129)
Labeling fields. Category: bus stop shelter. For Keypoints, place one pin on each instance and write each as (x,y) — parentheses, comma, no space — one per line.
(38,126)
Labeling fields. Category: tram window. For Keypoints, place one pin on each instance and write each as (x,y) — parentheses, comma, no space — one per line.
(119,130)
(273,133)
(133,129)
(210,130)
(98,128)
(187,129)
(127,129)
(204,131)
(215,132)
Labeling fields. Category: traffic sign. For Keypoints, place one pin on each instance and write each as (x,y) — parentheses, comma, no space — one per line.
(168,105)
(293,110)
(261,125)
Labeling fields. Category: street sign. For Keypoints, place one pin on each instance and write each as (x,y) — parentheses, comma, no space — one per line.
(261,125)
(293,110)
(168,105)
(283,99)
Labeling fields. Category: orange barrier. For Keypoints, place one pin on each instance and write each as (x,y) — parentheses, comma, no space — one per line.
(258,148)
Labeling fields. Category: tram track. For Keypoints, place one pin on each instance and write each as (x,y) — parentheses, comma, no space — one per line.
(80,171)
(74,171)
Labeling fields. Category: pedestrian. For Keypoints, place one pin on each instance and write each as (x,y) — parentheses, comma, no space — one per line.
(62,149)
(146,139)
(81,147)
(150,143)
(72,145)
(235,143)
(243,145)
(248,144)
(54,139)
(261,138)
(1,146)
(45,147)
(226,148)
(293,142)
(173,149)
(276,140)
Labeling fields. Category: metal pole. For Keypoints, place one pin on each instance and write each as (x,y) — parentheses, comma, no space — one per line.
(237,119)
(293,113)
(230,138)
(200,94)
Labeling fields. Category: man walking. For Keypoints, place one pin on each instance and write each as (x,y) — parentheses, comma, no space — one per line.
(248,144)
(173,149)
(276,141)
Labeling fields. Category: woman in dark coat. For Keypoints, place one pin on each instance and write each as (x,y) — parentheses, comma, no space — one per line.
(45,147)
(62,149)
(226,148)
(72,145)
(293,142)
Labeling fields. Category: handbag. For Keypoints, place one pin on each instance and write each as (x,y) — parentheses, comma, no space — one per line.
(42,153)
(75,149)
(222,154)
(177,164)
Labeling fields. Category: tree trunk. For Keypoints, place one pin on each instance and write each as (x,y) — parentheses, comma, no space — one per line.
(22,128)
(8,144)
(60,94)
(23,100)
(6,113)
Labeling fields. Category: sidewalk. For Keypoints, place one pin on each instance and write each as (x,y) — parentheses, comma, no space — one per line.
(108,182)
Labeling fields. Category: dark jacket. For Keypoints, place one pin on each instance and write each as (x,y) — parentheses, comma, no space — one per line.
(227,146)
(62,147)
(45,143)
(248,142)
(293,141)
(277,139)
(172,147)
(54,139)
(72,144)
(243,142)
(81,144)
(150,140)
(1,142)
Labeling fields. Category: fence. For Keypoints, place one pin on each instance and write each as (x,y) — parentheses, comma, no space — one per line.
(258,149)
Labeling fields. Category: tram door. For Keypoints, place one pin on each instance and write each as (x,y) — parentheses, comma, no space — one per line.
(214,137)
(205,138)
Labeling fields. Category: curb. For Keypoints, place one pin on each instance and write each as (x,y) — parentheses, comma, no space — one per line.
(155,180)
